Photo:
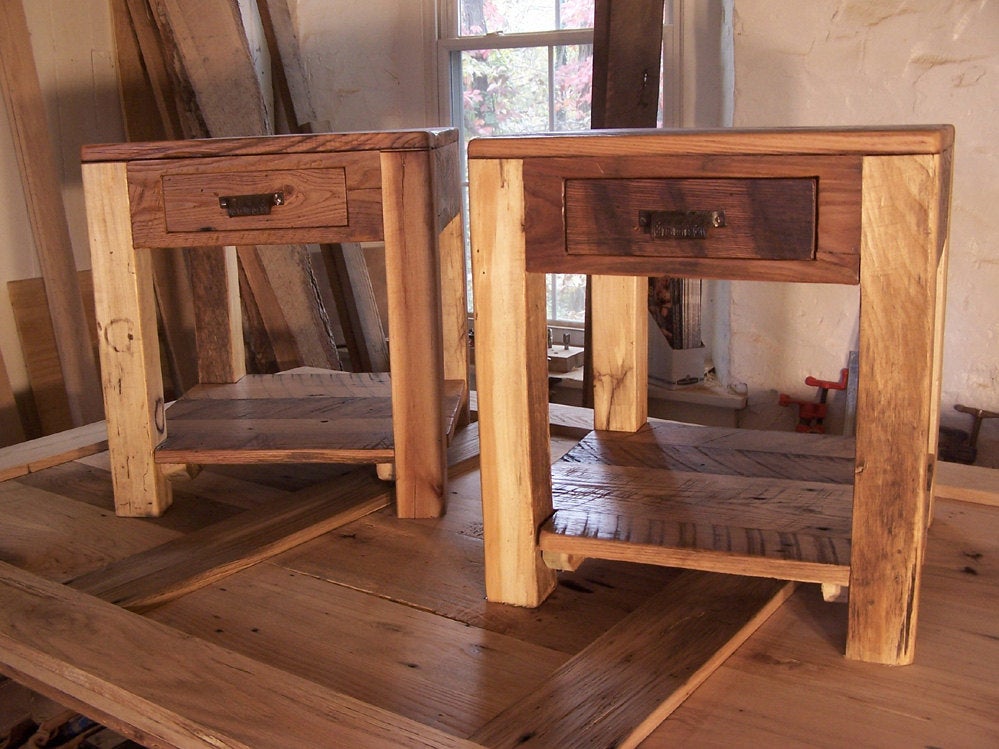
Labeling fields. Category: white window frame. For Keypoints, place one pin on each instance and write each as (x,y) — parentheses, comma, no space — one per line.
(450,45)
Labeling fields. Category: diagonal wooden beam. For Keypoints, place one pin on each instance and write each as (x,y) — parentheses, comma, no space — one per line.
(95,657)
(619,688)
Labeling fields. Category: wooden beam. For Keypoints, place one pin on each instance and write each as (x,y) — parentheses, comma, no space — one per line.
(11,429)
(212,53)
(291,89)
(627,57)
(100,666)
(346,268)
(43,195)
(617,690)
(150,113)
(39,347)
(52,450)
(357,307)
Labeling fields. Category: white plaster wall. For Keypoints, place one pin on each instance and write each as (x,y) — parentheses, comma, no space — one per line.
(74,54)
(867,62)
(369,63)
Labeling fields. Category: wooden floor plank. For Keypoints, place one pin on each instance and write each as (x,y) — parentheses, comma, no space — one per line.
(43,452)
(967,483)
(440,672)
(55,536)
(624,684)
(383,605)
(94,655)
(790,685)
(394,558)
(201,557)
(192,561)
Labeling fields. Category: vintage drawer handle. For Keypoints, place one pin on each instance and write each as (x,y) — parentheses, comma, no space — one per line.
(680,224)
(250,205)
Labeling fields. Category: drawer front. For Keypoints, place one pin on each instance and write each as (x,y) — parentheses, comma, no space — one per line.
(257,199)
(217,201)
(746,219)
(744,216)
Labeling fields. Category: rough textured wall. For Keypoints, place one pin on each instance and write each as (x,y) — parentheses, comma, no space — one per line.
(843,62)
(369,63)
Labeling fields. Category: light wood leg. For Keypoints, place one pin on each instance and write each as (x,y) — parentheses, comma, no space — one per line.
(620,342)
(128,342)
(415,347)
(512,380)
(454,300)
(900,253)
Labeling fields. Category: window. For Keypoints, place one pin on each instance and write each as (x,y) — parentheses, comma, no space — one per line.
(519,66)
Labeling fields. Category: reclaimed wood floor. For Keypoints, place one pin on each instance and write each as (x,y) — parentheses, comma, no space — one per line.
(322,607)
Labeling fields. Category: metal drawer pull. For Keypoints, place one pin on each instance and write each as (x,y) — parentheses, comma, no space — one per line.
(680,224)
(250,205)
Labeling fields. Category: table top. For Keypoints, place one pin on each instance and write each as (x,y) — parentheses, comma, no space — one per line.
(912,139)
(383,140)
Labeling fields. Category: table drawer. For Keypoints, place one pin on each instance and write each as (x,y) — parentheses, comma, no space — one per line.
(265,199)
(257,199)
(744,219)
(795,217)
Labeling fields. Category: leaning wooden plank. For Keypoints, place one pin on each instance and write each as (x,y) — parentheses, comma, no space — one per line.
(357,308)
(967,483)
(52,450)
(39,347)
(200,558)
(195,695)
(43,195)
(346,269)
(615,691)
(291,88)
(11,428)
(149,114)
(208,46)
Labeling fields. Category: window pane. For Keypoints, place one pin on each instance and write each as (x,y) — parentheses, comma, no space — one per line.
(504,91)
(479,17)
(567,302)
(573,81)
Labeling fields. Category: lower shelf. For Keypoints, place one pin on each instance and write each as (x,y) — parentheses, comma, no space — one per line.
(291,417)
(766,504)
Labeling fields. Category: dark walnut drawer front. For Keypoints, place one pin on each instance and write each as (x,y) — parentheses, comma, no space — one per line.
(779,218)
(746,219)
(256,200)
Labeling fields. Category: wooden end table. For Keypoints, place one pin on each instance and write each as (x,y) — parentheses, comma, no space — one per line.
(849,206)
(398,187)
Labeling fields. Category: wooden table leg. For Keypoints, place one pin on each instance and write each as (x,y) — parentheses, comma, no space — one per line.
(901,249)
(512,379)
(415,346)
(620,340)
(128,342)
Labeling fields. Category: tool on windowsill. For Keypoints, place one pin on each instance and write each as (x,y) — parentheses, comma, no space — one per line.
(959,446)
(811,414)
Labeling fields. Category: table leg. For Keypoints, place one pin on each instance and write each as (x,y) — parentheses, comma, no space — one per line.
(415,345)
(901,249)
(512,379)
(620,340)
(128,343)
